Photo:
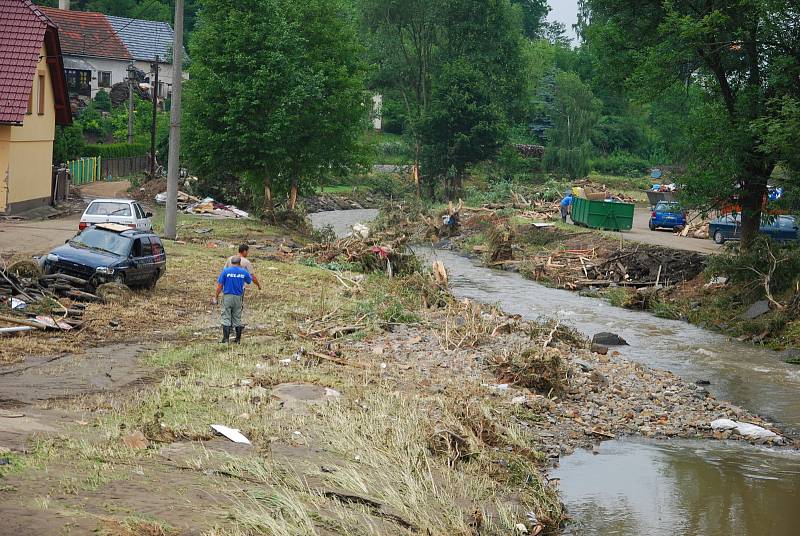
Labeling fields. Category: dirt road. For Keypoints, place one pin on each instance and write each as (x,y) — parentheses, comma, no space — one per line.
(642,233)
(35,237)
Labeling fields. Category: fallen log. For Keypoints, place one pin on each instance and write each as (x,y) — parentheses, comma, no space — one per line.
(65,277)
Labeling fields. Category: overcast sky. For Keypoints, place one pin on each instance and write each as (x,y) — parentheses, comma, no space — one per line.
(565,11)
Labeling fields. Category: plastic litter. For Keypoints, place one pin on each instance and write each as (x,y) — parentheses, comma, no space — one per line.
(744,429)
(231,433)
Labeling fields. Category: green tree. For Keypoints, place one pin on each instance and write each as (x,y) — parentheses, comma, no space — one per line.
(575,113)
(478,88)
(534,13)
(403,37)
(743,55)
(464,125)
(276,94)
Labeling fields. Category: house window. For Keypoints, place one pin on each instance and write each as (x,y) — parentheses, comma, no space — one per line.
(29,111)
(78,82)
(40,108)
(104,78)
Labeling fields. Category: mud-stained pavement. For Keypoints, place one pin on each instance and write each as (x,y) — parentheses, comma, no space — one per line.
(26,388)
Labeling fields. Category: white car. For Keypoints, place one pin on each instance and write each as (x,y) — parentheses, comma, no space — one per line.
(122,211)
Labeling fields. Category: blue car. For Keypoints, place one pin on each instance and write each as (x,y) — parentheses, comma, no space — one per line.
(110,252)
(667,215)
(780,228)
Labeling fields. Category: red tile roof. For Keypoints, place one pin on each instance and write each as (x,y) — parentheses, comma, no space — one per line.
(23,31)
(85,33)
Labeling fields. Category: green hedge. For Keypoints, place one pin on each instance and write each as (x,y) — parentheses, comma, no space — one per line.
(116,150)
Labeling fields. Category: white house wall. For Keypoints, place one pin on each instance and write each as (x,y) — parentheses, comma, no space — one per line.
(119,71)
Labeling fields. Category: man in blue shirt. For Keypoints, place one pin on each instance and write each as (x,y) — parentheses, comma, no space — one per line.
(230,284)
(565,204)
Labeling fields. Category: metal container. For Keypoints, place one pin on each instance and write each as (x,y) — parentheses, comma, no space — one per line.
(606,215)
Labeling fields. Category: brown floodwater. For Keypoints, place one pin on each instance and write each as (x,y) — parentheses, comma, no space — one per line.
(632,487)
(681,487)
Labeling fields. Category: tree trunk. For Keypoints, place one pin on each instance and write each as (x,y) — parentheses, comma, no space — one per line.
(751,201)
(416,170)
(458,180)
(293,193)
(269,205)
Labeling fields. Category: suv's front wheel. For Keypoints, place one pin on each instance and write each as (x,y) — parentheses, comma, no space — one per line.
(718,238)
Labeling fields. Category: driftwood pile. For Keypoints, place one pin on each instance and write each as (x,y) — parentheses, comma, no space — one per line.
(32,301)
(645,267)
(372,253)
(638,267)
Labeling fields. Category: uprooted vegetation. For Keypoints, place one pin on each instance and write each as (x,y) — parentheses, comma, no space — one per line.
(366,457)
(669,283)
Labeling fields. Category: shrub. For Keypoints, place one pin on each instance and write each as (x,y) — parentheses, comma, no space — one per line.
(103,101)
(621,163)
(387,186)
(749,268)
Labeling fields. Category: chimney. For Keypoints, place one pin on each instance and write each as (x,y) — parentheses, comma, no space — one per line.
(63,4)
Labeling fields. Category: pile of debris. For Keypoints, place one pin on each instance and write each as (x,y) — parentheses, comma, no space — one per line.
(32,301)
(371,253)
(593,191)
(648,267)
(529,151)
(695,230)
(328,202)
(635,267)
(206,207)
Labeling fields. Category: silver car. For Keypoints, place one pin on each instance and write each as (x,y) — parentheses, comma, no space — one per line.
(122,211)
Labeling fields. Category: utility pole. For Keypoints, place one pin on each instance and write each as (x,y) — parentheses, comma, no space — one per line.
(154,89)
(130,102)
(174,165)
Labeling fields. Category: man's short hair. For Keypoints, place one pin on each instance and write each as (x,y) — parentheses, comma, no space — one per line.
(243,248)
(236,260)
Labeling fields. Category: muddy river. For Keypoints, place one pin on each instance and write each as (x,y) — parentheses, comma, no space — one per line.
(659,487)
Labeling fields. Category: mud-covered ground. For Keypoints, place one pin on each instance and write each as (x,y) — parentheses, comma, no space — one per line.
(373,406)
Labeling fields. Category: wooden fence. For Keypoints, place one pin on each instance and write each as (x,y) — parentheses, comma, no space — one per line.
(126,165)
(84,170)
(94,168)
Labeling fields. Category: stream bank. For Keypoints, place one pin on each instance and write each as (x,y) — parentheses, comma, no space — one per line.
(710,488)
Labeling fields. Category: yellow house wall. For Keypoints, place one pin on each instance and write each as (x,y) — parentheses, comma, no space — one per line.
(5,135)
(26,152)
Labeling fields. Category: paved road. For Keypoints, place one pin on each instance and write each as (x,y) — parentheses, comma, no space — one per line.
(35,237)
(642,233)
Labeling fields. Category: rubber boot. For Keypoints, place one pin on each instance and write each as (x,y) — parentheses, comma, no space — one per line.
(239,330)
(226,334)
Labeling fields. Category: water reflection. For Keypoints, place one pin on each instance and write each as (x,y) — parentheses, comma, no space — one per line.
(681,487)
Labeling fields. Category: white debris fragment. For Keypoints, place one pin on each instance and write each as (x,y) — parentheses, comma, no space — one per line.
(231,433)
(744,429)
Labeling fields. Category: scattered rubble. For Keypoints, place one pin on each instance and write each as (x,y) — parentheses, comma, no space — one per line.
(206,207)
(30,300)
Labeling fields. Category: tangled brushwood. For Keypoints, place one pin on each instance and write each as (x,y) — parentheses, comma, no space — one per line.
(539,365)
(373,253)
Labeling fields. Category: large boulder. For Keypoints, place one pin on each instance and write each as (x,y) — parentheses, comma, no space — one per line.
(609,339)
